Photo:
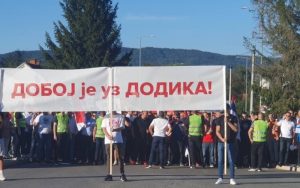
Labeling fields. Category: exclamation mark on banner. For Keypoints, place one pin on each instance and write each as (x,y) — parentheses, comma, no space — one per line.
(209,87)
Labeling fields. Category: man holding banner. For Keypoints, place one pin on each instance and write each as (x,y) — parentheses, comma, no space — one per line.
(112,127)
(226,138)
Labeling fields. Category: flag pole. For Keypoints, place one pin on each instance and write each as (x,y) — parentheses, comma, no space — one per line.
(110,99)
(225,123)
(1,88)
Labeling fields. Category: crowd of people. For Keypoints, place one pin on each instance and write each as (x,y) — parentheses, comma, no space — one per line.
(186,138)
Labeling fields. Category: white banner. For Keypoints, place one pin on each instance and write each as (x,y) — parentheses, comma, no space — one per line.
(129,88)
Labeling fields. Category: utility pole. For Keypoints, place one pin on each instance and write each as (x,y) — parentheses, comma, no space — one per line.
(252,80)
(246,86)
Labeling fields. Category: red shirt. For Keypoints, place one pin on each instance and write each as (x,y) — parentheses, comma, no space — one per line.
(208,138)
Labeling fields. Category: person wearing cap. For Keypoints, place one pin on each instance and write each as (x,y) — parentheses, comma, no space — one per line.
(159,129)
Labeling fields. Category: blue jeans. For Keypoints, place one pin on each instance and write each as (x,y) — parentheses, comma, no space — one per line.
(210,147)
(157,142)
(230,155)
(100,150)
(34,148)
(284,150)
(273,146)
(72,148)
(45,147)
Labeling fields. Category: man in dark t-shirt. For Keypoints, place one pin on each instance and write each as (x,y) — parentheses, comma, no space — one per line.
(229,138)
(245,144)
(140,129)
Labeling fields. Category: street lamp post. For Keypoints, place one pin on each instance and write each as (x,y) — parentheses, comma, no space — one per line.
(253,61)
(261,62)
(260,83)
(140,51)
(140,54)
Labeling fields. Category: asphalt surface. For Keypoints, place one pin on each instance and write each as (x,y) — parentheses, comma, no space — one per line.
(65,176)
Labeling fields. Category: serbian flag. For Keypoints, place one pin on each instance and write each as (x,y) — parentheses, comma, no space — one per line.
(233,112)
(80,120)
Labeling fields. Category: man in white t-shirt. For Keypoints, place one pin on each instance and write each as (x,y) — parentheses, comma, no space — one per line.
(161,129)
(45,122)
(113,134)
(287,129)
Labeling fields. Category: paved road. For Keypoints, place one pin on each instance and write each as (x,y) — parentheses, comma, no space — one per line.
(46,176)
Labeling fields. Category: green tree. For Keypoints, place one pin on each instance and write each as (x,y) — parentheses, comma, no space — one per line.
(12,60)
(280,21)
(90,39)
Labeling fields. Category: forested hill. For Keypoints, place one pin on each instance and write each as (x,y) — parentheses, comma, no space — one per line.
(150,57)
